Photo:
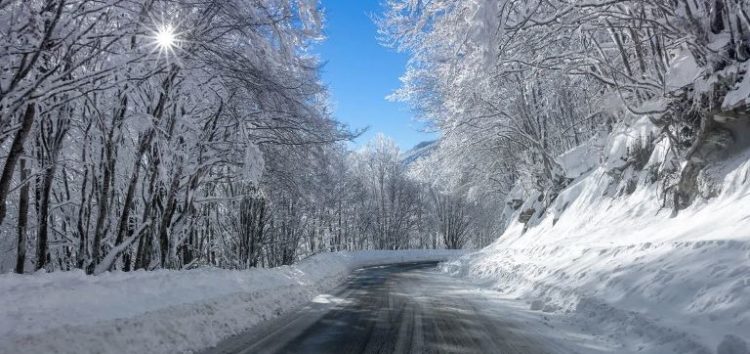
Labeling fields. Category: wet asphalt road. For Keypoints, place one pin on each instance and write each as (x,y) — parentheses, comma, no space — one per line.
(400,308)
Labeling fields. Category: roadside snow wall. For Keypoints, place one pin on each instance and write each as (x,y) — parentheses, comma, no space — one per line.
(606,253)
(165,311)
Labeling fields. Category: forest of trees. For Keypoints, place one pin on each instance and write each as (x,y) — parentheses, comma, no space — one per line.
(146,134)
(512,84)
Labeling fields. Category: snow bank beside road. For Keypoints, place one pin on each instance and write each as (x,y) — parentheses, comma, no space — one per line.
(165,311)
(614,262)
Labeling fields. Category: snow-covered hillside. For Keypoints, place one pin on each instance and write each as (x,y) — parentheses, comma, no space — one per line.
(419,151)
(606,257)
(165,311)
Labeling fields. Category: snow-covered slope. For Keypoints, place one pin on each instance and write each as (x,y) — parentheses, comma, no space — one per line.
(419,151)
(165,311)
(608,258)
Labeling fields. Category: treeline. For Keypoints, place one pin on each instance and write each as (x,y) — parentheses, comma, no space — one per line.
(174,134)
(133,132)
(512,84)
(397,200)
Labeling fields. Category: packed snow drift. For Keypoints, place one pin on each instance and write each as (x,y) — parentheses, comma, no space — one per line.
(608,257)
(165,311)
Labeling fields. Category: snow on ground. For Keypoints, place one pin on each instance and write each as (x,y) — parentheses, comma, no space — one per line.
(165,311)
(740,95)
(623,272)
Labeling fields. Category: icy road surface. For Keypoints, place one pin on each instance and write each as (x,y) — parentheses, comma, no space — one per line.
(400,308)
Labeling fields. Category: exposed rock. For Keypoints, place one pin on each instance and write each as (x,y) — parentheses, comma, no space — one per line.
(515,203)
(526,215)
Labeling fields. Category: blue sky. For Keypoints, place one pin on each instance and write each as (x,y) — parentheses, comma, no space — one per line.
(360,73)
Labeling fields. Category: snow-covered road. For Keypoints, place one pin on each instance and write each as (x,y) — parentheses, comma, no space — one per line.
(400,308)
(167,311)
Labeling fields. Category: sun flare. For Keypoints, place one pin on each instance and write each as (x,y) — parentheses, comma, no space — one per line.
(165,37)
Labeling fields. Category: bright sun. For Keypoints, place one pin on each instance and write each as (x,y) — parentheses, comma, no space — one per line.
(165,37)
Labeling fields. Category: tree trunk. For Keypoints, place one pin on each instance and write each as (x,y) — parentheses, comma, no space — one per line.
(23,210)
(42,250)
(16,149)
(103,203)
(166,219)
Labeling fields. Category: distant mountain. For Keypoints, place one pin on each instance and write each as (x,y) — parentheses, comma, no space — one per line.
(419,151)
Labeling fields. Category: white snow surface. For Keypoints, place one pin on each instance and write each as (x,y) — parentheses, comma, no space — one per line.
(683,70)
(623,271)
(166,311)
(582,158)
(740,94)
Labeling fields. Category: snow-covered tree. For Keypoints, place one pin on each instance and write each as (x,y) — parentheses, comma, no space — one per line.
(143,134)
(512,84)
